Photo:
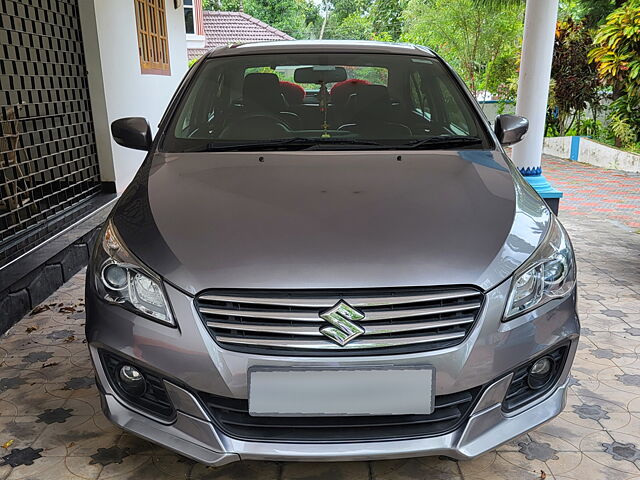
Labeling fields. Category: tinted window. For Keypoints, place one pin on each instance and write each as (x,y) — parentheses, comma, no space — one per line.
(390,100)
(419,100)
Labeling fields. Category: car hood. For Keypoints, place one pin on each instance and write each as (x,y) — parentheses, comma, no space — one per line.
(330,219)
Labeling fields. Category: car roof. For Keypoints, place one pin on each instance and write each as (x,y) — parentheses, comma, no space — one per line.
(321,46)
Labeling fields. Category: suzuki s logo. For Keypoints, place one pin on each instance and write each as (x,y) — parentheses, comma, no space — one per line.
(341,316)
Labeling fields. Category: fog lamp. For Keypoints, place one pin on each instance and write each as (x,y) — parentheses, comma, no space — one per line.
(540,372)
(131,380)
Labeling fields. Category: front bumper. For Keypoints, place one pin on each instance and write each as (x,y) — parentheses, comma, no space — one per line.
(195,437)
(189,357)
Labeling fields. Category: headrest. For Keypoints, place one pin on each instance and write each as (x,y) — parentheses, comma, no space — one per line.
(261,91)
(371,102)
(293,93)
(341,91)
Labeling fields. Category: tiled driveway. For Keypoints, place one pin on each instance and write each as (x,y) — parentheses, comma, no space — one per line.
(52,427)
(595,192)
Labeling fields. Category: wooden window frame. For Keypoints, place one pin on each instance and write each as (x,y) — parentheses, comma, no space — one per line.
(153,37)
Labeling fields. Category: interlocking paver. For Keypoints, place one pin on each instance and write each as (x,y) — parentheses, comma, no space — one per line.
(49,405)
(328,471)
(592,191)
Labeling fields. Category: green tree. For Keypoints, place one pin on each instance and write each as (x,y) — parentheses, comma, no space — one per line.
(365,19)
(352,27)
(347,19)
(222,5)
(285,15)
(339,10)
(387,20)
(298,18)
(476,37)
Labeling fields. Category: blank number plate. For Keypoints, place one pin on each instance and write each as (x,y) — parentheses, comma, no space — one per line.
(335,392)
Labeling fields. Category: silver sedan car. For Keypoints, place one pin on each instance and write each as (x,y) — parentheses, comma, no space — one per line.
(327,255)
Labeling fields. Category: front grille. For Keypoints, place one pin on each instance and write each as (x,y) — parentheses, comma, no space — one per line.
(155,399)
(520,393)
(232,417)
(288,322)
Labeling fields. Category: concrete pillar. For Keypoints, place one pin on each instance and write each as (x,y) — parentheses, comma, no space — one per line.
(533,91)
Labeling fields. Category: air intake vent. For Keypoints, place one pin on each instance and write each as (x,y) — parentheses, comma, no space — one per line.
(390,320)
(232,417)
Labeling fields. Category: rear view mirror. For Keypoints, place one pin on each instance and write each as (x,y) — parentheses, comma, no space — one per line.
(510,128)
(320,74)
(132,132)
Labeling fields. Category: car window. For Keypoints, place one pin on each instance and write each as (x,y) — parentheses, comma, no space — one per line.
(376,75)
(317,99)
(419,101)
(199,109)
(455,116)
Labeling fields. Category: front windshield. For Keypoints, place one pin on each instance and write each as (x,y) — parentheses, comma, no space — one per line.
(303,100)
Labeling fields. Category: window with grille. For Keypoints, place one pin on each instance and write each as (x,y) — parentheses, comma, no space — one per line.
(48,161)
(153,41)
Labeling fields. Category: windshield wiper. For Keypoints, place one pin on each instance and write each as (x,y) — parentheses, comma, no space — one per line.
(324,142)
(302,142)
(306,143)
(297,141)
(443,141)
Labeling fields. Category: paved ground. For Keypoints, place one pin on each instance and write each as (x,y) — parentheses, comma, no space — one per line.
(595,192)
(53,428)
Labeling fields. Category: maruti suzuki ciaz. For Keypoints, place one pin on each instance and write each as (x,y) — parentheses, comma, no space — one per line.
(327,255)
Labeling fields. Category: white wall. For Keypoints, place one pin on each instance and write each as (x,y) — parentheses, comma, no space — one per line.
(605,156)
(492,109)
(557,146)
(593,153)
(116,85)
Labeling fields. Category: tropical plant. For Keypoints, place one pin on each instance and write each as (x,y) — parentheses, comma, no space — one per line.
(590,12)
(617,50)
(575,83)
(622,129)
(616,55)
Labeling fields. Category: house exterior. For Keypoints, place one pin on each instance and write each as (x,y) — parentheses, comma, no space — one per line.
(194,24)
(224,28)
(68,68)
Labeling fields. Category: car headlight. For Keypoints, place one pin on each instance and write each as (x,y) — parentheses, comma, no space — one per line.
(549,273)
(123,280)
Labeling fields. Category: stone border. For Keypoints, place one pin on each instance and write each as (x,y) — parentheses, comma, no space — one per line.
(47,267)
(22,297)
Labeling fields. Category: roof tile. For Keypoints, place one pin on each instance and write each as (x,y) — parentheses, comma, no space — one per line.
(224,28)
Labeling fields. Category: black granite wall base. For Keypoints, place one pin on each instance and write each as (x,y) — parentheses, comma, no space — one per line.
(35,287)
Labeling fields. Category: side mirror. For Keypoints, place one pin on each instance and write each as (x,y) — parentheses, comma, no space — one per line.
(132,132)
(510,128)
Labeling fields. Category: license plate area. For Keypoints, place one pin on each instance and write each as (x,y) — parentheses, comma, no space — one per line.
(317,392)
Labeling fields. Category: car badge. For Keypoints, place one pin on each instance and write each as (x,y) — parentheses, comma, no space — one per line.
(342,316)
